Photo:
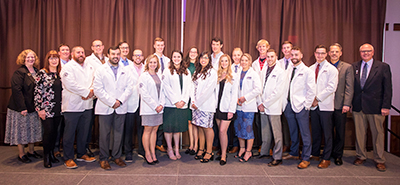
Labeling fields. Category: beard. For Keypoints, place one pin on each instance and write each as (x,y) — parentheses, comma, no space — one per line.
(80,59)
(115,60)
(295,61)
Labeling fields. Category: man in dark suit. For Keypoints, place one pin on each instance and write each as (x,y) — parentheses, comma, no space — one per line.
(343,97)
(371,103)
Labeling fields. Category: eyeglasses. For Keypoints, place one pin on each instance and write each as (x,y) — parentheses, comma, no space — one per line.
(366,51)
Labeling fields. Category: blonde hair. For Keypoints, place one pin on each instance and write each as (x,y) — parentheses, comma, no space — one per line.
(229,75)
(22,56)
(146,66)
(262,41)
(248,56)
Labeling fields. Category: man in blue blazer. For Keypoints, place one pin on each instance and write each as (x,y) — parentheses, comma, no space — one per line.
(371,103)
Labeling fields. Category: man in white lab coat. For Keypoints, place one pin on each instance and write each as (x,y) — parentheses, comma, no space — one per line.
(270,106)
(112,85)
(77,106)
(301,94)
(326,79)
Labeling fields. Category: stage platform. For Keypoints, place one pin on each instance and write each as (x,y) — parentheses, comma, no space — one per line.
(188,171)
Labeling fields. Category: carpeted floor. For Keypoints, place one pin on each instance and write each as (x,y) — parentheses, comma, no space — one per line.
(187,171)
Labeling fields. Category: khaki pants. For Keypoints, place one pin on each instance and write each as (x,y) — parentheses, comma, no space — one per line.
(375,122)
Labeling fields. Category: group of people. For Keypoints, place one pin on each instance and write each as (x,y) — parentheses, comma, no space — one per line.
(201,93)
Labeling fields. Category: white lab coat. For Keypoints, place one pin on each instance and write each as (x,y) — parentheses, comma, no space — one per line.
(302,87)
(149,97)
(205,98)
(172,88)
(251,88)
(273,91)
(326,85)
(229,95)
(77,81)
(108,89)
(133,100)
(94,61)
(281,63)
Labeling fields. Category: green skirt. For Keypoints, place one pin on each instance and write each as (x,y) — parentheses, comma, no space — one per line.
(175,120)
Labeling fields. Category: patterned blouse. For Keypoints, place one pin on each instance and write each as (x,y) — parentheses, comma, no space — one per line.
(47,93)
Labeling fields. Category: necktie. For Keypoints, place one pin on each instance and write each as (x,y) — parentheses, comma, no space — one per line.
(364,75)
(291,78)
(286,63)
(162,64)
(269,70)
(236,67)
(316,73)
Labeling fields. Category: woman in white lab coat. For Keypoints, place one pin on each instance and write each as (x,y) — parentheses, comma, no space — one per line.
(177,85)
(227,95)
(203,105)
(250,88)
(152,102)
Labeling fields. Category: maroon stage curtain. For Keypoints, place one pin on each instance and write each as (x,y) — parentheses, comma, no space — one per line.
(306,23)
(42,25)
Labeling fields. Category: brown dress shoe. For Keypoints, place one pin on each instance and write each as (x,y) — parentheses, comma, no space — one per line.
(324,164)
(105,165)
(314,158)
(358,162)
(120,162)
(161,148)
(70,164)
(290,157)
(234,150)
(303,164)
(381,167)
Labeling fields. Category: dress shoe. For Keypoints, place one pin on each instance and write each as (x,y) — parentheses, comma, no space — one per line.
(358,162)
(264,156)
(89,152)
(105,165)
(303,164)
(161,148)
(119,162)
(70,164)
(314,158)
(275,163)
(290,157)
(338,161)
(234,150)
(24,159)
(324,164)
(381,167)
(53,158)
(86,158)
(34,155)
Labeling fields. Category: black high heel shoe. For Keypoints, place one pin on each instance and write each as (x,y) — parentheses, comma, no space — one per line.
(149,163)
(192,152)
(244,160)
(204,160)
(240,156)
(198,157)
(223,162)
